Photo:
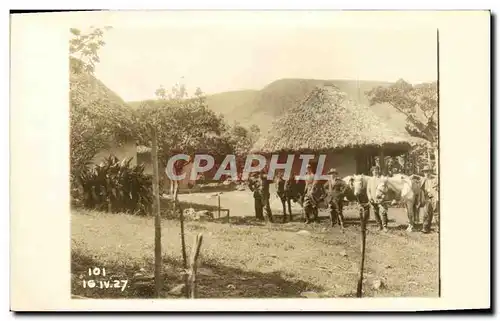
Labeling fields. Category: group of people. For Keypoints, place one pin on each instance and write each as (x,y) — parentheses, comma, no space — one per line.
(336,189)
(313,193)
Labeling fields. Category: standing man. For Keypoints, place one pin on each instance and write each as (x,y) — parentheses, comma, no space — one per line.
(336,189)
(308,181)
(254,185)
(265,194)
(378,205)
(309,176)
(314,195)
(430,188)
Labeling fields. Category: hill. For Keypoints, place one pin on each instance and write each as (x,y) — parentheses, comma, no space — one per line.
(261,107)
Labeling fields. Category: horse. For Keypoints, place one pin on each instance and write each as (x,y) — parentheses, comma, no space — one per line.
(357,189)
(405,189)
(289,190)
(335,195)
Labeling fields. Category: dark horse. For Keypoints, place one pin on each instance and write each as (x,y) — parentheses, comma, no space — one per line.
(289,190)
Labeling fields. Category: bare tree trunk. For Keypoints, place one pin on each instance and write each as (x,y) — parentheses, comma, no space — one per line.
(195,252)
(156,193)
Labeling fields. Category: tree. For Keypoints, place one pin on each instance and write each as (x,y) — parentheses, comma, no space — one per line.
(255,133)
(98,117)
(241,140)
(85,47)
(419,103)
(184,124)
(175,123)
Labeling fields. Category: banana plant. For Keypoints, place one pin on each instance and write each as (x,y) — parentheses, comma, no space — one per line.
(115,186)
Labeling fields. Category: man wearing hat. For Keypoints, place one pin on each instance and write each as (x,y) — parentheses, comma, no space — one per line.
(254,184)
(309,175)
(336,189)
(308,180)
(430,188)
(380,207)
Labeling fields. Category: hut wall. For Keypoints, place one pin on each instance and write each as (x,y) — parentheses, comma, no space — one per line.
(145,158)
(344,162)
(184,183)
(125,151)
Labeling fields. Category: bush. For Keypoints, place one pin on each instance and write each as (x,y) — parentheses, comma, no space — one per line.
(114,186)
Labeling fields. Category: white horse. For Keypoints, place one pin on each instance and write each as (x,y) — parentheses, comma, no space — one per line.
(402,188)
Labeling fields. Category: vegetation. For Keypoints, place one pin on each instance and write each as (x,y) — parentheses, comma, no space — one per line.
(272,261)
(98,117)
(187,123)
(115,186)
(261,107)
(184,124)
(419,104)
(85,47)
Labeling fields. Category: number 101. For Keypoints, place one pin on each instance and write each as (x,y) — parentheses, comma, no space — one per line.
(97,271)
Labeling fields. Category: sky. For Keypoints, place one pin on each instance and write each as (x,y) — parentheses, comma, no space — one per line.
(220,57)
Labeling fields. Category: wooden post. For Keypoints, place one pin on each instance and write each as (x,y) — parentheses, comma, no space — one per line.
(156,194)
(171,187)
(218,205)
(195,253)
(176,207)
(381,160)
(364,218)
(406,160)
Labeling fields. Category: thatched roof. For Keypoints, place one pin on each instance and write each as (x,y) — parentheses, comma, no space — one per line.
(328,120)
(91,101)
(86,88)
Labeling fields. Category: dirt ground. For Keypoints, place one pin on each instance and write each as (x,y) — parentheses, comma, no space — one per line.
(247,258)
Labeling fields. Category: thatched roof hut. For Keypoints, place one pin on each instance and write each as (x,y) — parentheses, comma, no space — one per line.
(328,120)
(100,119)
(91,97)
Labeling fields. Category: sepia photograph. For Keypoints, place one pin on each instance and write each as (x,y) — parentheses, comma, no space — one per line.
(309,168)
(292,160)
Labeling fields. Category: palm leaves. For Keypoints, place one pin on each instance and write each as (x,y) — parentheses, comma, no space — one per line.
(115,186)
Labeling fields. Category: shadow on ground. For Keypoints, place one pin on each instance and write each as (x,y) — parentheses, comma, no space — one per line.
(403,227)
(213,281)
(206,189)
(278,219)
